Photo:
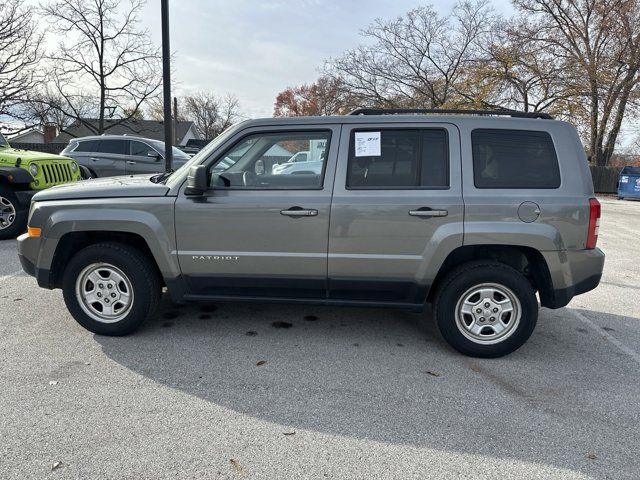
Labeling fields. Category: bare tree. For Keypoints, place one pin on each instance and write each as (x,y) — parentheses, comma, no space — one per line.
(45,107)
(597,46)
(210,113)
(416,60)
(19,54)
(103,60)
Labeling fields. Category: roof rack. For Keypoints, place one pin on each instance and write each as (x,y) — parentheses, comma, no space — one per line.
(397,111)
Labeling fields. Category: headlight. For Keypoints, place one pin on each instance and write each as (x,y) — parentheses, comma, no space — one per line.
(74,167)
(33,169)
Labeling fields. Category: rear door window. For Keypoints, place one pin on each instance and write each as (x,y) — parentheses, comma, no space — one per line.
(514,159)
(407,159)
(117,147)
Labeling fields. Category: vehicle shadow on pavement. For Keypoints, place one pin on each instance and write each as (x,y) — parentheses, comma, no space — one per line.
(385,375)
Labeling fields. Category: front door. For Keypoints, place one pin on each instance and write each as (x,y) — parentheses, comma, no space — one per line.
(397,206)
(143,159)
(256,233)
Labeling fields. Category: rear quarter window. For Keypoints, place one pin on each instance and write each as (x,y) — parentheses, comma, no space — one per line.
(86,146)
(514,159)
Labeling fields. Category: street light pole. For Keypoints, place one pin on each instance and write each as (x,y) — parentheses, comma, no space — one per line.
(166,85)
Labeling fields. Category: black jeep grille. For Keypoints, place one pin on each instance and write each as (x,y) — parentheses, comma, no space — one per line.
(57,173)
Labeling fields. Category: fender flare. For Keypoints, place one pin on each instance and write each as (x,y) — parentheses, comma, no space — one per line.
(16,175)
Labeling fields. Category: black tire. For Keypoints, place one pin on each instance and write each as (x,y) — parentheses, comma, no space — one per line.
(19,224)
(138,269)
(459,283)
(86,173)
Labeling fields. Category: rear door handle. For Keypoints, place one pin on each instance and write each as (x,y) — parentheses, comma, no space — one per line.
(131,162)
(299,212)
(427,212)
(94,159)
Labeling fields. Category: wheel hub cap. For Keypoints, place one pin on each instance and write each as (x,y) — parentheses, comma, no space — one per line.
(7,213)
(488,313)
(104,292)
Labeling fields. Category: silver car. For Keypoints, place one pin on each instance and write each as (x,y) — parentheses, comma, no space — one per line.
(115,155)
(479,214)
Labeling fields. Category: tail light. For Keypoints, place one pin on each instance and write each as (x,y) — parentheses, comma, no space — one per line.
(594,223)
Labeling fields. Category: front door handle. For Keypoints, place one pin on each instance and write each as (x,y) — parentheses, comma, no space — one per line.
(427,212)
(299,212)
(131,162)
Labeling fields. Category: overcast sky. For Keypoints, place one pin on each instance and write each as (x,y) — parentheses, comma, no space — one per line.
(256,48)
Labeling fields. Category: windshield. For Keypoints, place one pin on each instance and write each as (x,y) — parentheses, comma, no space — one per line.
(177,153)
(201,155)
(2,140)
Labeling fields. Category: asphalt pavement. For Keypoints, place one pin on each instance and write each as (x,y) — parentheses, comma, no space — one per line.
(281,391)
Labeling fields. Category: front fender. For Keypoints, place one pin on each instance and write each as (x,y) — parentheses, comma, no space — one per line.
(153,221)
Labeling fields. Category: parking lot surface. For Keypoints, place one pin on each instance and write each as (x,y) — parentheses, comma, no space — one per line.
(273,391)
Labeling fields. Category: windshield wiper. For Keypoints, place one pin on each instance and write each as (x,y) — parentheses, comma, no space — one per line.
(161,176)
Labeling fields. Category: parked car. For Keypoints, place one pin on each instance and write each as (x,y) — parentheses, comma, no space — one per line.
(114,155)
(22,174)
(297,158)
(475,214)
(314,167)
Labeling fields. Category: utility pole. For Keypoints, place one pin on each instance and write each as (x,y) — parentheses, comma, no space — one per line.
(175,119)
(166,86)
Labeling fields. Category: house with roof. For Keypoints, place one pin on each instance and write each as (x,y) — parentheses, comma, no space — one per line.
(153,129)
(33,135)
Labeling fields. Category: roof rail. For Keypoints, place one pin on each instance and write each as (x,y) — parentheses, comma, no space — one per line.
(437,111)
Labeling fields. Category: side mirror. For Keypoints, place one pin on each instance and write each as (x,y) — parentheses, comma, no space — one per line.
(196,180)
(154,154)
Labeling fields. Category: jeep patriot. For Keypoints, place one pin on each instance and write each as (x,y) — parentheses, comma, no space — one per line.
(480,213)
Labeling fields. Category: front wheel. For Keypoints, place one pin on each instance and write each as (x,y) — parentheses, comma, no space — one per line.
(13,217)
(486,309)
(111,288)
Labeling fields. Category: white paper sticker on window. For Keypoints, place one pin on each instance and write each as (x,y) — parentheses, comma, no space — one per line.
(368,144)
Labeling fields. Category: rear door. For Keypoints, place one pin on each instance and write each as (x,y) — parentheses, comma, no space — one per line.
(397,205)
(108,159)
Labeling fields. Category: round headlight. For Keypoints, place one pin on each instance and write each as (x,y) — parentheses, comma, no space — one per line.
(74,167)
(33,169)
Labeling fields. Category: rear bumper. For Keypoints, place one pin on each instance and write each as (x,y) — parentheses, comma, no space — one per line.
(573,273)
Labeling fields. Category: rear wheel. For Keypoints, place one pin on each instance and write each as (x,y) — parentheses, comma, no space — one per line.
(486,309)
(13,217)
(111,289)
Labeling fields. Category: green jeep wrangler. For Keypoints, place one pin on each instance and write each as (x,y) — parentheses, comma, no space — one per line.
(22,174)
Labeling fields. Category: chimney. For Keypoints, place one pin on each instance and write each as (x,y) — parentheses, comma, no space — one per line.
(50,132)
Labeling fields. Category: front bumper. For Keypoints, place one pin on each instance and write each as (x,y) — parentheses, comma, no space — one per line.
(573,272)
(28,252)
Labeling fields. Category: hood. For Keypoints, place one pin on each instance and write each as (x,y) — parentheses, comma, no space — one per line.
(110,187)
(9,156)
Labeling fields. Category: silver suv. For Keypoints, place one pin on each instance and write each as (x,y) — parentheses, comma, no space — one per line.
(473,213)
(113,155)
